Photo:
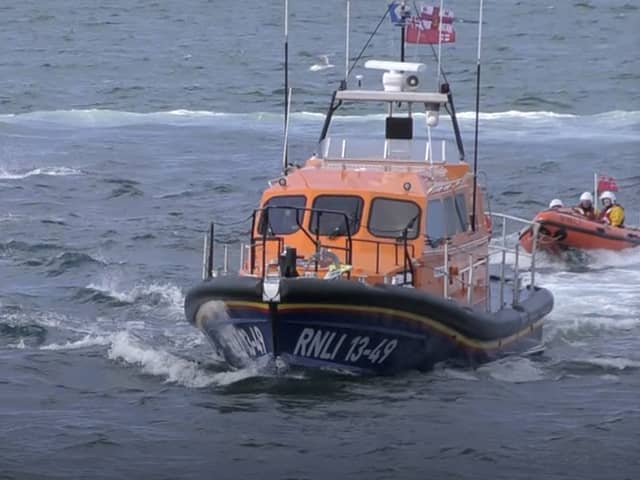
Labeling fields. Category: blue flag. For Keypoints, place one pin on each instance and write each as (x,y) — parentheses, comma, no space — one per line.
(397,14)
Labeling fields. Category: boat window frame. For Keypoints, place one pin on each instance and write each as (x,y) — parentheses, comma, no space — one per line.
(300,211)
(314,209)
(416,228)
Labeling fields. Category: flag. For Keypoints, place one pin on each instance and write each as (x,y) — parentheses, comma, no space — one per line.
(607,183)
(397,14)
(424,27)
(433,14)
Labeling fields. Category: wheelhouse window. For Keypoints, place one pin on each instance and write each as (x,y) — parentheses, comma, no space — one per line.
(435,221)
(446,217)
(285,217)
(390,218)
(332,223)
(451,218)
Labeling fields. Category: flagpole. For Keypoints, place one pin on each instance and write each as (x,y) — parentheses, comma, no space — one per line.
(287,99)
(440,39)
(475,142)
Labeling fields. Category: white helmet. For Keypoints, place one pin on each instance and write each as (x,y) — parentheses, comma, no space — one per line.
(609,195)
(586,196)
(556,202)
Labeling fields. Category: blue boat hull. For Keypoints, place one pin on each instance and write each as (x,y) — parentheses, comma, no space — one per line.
(344,325)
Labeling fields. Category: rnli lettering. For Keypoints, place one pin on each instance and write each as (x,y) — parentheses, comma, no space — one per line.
(318,344)
(327,344)
(253,341)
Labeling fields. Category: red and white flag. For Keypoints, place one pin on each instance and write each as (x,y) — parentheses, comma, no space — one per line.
(424,28)
(607,183)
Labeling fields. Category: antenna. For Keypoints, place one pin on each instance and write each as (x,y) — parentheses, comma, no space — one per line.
(287,96)
(475,142)
(286,134)
(346,47)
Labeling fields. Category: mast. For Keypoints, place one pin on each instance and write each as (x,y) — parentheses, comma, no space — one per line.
(475,141)
(404,12)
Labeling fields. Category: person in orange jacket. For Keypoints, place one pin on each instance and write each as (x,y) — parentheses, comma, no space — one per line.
(585,207)
(612,213)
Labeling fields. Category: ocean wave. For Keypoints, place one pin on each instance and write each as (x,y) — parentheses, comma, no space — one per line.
(96,118)
(22,328)
(89,340)
(597,365)
(12,246)
(66,261)
(99,118)
(22,335)
(149,295)
(49,171)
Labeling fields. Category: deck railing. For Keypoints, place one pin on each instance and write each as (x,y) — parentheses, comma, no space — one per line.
(404,252)
(416,149)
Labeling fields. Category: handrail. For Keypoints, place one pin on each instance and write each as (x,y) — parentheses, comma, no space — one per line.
(502,248)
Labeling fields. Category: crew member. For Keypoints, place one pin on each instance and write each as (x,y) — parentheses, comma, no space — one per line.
(612,213)
(585,207)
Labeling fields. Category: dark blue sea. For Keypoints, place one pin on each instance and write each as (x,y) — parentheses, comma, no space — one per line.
(126,126)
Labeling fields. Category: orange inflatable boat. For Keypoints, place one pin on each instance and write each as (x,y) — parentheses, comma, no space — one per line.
(565,228)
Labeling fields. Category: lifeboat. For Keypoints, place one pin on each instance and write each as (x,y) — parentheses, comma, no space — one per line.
(373,255)
(564,228)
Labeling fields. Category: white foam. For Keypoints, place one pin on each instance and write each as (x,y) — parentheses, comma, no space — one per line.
(174,369)
(18,346)
(515,114)
(513,370)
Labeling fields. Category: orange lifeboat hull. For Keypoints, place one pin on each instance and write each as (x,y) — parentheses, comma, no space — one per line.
(564,228)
